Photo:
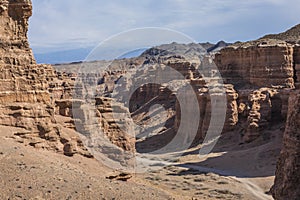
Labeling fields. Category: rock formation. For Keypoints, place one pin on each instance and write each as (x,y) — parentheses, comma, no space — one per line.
(297,66)
(260,63)
(259,78)
(24,96)
(114,123)
(34,97)
(288,167)
(66,94)
(263,72)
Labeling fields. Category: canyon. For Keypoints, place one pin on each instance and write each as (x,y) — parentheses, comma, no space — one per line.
(51,116)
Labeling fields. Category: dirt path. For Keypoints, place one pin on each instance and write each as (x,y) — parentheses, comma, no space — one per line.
(257,192)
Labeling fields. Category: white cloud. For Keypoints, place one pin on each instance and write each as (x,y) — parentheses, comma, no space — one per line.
(75,23)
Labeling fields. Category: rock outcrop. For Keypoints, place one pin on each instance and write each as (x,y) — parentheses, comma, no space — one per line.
(263,72)
(258,77)
(260,113)
(297,66)
(114,123)
(36,97)
(264,63)
(291,36)
(288,167)
(21,79)
(24,97)
(66,94)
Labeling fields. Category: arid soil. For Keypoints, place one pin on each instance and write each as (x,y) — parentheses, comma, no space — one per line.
(230,172)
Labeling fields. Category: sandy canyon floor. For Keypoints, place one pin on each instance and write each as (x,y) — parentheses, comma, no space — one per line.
(231,171)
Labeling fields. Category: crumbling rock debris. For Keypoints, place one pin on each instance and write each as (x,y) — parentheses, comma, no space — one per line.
(120,177)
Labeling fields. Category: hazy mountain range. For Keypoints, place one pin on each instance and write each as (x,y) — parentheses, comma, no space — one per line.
(80,54)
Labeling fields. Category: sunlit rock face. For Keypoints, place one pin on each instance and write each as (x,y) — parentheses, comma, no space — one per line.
(24,97)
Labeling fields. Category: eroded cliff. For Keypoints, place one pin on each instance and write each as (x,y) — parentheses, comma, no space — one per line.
(288,167)
(24,96)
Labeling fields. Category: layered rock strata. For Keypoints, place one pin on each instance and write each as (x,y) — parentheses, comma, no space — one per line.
(24,96)
(297,66)
(288,167)
(263,73)
(260,63)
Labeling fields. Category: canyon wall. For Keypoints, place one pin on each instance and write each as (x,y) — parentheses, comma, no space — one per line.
(263,73)
(261,63)
(297,66)
(288,167)
(24,97)
(259,78)
(21,79)
(36,97)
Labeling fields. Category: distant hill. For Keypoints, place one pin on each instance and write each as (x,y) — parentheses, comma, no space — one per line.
(193,49)
(75,55)
(187,50)
(217,47)
(67,56)
(207,45)
(292,35)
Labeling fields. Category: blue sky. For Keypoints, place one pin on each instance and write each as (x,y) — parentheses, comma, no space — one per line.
(69,24)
